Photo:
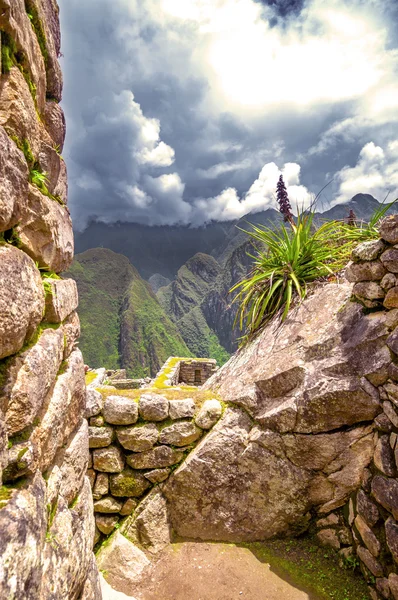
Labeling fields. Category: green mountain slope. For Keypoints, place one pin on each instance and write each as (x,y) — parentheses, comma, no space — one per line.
(123,324)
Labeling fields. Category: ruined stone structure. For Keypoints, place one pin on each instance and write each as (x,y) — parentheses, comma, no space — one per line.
(46,512)
(187,371)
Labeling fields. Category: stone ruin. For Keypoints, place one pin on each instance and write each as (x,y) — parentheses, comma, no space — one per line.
(187,371)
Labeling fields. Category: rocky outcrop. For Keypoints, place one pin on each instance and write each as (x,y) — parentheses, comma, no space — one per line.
(46,506)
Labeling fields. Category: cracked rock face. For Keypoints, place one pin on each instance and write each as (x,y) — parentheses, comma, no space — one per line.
(301,434)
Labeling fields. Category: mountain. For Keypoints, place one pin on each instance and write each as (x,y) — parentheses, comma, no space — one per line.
(123,324)
(163,250)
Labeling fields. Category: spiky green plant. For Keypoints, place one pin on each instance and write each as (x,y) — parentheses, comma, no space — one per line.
(363,231)
(40,180)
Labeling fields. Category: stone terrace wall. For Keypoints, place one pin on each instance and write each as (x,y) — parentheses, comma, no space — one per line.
(46,513)
(136,445)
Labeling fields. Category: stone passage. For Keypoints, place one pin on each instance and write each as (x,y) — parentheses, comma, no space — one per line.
(46,511)
(136,444)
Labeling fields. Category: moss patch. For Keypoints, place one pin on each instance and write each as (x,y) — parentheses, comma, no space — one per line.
(90,376)
(38,28)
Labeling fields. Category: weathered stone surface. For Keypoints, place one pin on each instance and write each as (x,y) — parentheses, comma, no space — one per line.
(391,299)
(393,371)
(158,475)
(385,491)
(23,529)
(54,121)
(128,483)
(48,14)
(66,561)
(382,586)
(108,460)
(392,340)
(182,409)
(393,583)
(230,489)
(94,403)
(119,410)
(389,410)
(392,537)
(91,475)
(54,165)
(370,562)
(389,258)
(370,290)
(209,414)
(138,438)
(61,411)
(92,587)
(13,181)
(153,407)
(367,509)
(97,421)
(62,300)
(100,437)
(121,562)
(384,457)
(389,281)
(101,486)
(328,537)
(71,329)
(383,423)
(368,250)
(20,461)
(367,535)
(108,505)
(128,507)
(28,378)
(328,521)
(149,527)
(180,434)
(388,229)
(368,271)
(106,523)
(21,299)
(161,456)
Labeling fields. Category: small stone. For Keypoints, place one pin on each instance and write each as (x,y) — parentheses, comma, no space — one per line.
(345,536)
(367,535)
(388,229)
(345,555)
(393,372)
(384,457)
(392,341)
(91,475)
(391,527)
(368,271)
(106,524)
(109,460)
(389,258)
(370,562)
(383,423)
(389,281)
(385,491)
(369,290)
(128,483)
(158,475)
(391,299)
(101,486)
(97,421)
(100,437)
(209,414)
(391,318)
(182,409)
(122,561)
(180,434)
(161,456)
(383,587)
(90,461)
(138,438)
(94,403)
(128,507)
(331,519)
(368,250)
(367,509)
(389,410)
(393,583)
(153,407)
(119,410)
(328,537)
(108,505)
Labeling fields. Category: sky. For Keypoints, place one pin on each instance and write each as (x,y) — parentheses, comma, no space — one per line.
(187,111)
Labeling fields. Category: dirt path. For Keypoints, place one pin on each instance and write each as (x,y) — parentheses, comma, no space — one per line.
(200,571)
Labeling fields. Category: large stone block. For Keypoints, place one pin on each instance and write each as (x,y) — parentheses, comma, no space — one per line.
(182,409)
(149,527)
(138,438)
(160,456)
(385,491)
(119,410)
(28,379)
(108,460)
(92,586)
(128,483)
(367,271)
(21,299)
(388,229)
(62,300)
(180,434)
(48,14)
(45,231)
(389,258)
(100,437)
(13,182)
(368,250)
(153,407)
(94,403)
(209,414)
(54,120)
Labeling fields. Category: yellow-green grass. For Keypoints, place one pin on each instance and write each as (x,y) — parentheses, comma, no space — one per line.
(90,376)
(171,393)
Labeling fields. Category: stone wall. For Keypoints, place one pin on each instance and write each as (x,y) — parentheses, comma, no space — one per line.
(46,513)
(137,444)
(196,372)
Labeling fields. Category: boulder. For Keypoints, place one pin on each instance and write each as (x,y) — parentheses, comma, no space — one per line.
(128,507)
(158,475)
(158,457)
(121,562)
(106,523)
(108,460)
(391,299)
(100,437)
(389,258)
(119,410)
(367,271)
(370,562)
(61,301)
(45,232)
(389,281)
(149,527)
(209,414)
(367,535)
(28,379)
(385,491)
(384,457)
(370,290)
(21,299)
(388,229)
(367,509)
(101,486)
(13,181)
(94,403)
(153,407)
(180,434)
(128,483)
(92,585)
(368,250)
(181,409)
(138,438)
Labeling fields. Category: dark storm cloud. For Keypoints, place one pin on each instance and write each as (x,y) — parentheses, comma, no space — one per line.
(143,141)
